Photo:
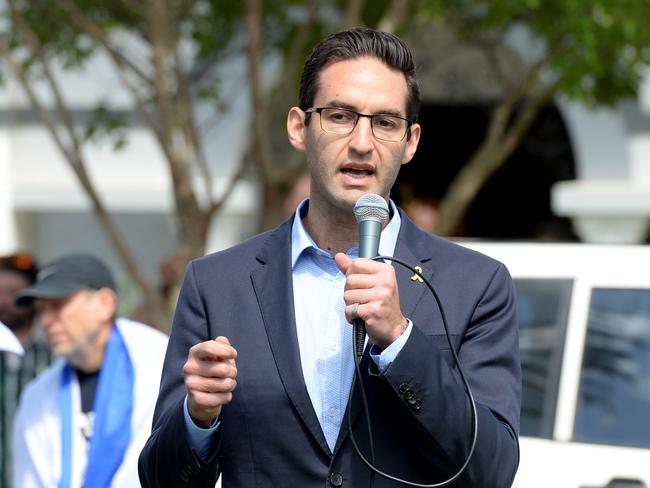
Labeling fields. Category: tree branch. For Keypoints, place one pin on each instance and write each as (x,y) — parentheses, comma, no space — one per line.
(500,116)
(32,42)
(76,161)
(260,142)
(526,117)
(490,49)
(16,68)
(98,35)
(179,160)
(216,205)
(157,21)
(490,155)
(186,108)
(133,67)
(185,199)
(298,43)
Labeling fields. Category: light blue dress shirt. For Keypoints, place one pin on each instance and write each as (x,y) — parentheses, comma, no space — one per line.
(324,335)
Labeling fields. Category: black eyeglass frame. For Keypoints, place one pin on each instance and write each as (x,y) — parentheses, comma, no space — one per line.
(319,110)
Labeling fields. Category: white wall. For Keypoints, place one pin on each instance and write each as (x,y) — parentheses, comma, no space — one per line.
(8,241)
(599,141)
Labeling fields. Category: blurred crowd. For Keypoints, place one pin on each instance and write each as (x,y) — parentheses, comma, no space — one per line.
(77,387)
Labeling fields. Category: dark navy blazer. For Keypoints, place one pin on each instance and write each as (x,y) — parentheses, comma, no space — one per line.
(419,410)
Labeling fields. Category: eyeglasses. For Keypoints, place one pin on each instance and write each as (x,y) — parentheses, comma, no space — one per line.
(384,127)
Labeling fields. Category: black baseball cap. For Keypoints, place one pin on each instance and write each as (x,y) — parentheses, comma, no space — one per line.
(67,275)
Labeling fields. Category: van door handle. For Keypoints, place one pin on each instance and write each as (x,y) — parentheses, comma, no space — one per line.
(622,483)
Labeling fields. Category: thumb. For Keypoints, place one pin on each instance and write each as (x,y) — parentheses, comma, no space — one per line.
(343,262)
(222,340)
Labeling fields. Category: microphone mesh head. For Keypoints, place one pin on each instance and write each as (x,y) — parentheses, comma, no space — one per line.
(371,207)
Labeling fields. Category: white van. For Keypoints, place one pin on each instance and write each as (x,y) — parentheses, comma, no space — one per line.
(584,318)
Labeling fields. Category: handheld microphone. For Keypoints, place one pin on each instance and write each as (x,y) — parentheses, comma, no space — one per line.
(371,211)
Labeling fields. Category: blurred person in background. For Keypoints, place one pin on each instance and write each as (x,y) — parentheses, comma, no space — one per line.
(170,275)
(85,419)
(298,193)
(423,211)
(16,272)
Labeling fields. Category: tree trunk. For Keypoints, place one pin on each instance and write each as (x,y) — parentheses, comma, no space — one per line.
(500,142)
(463,190)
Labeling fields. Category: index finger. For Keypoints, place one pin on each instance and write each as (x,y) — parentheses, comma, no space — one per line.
(213,350)
(365,266)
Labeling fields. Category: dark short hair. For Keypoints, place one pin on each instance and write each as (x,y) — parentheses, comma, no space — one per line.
(355,43)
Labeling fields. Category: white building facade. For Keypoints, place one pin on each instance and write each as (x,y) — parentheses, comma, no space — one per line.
(610,201)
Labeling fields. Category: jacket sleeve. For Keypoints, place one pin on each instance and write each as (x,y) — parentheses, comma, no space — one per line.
(167,460)
(25,460)
(428,382)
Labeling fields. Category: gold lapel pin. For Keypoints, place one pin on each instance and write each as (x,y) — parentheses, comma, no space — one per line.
(416,276)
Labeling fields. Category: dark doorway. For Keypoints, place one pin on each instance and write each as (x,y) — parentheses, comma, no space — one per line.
(516,202)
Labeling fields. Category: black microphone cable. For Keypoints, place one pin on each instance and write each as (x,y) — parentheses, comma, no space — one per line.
(357,376)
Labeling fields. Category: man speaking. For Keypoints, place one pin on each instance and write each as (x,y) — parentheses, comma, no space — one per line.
(260,362)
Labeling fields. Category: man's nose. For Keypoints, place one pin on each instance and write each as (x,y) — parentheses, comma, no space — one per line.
(361,139)
(45,315)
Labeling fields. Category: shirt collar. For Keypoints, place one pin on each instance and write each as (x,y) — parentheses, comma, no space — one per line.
(301,240)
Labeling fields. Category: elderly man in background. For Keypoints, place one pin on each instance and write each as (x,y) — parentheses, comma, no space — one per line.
(84,421)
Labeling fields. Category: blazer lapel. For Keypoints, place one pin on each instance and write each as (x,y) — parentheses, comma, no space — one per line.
(411,249)
(274,291)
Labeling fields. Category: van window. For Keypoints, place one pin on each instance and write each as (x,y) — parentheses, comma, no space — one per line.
(614,395)
(543,309)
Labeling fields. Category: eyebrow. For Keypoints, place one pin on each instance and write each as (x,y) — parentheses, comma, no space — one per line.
(347,106)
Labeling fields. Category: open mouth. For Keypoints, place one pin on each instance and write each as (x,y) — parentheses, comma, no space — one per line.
(357,172)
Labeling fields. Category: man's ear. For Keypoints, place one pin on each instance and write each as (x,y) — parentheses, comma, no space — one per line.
(107,303)
(412,143)
(296,128)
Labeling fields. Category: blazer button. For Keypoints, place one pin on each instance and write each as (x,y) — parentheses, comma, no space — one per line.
(336,479)
(417,405)
(409,394)
(403,387)
(186,473)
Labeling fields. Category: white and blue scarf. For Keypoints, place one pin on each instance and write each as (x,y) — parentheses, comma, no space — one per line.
(112,426)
